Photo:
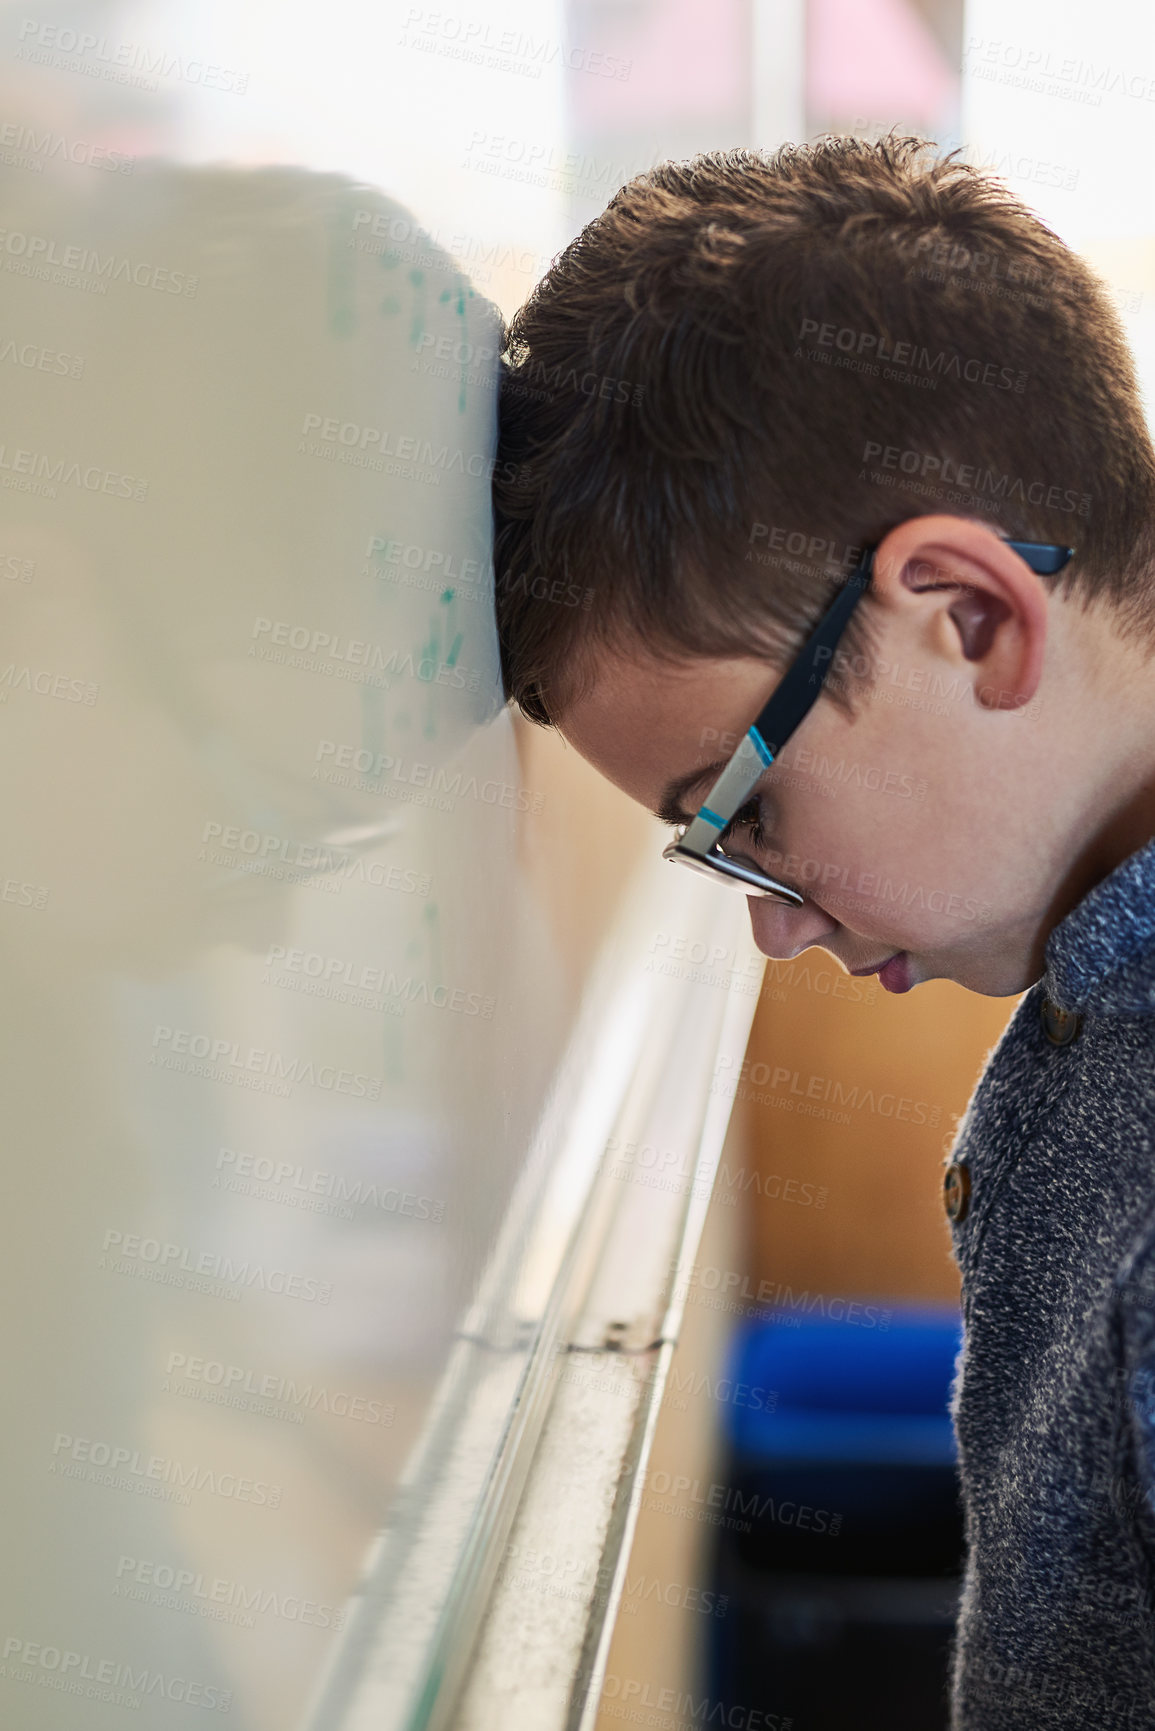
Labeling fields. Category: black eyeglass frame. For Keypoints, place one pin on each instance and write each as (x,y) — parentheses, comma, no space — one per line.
(698,844)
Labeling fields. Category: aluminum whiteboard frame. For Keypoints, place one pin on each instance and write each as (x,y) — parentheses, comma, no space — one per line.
(576,1245)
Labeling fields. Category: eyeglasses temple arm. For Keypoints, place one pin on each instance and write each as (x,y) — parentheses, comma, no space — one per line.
(1044,558)
(798,691)
(730,792)
(790,703)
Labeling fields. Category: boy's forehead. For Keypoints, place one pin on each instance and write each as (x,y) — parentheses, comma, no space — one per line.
(643,721)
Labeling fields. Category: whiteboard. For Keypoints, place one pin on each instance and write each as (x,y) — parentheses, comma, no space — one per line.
(278,1012)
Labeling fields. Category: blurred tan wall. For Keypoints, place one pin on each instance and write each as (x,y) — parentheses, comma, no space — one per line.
(850,1097)
(580,849)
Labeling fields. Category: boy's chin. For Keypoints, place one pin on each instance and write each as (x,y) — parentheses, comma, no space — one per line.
(990,971)
(988,976)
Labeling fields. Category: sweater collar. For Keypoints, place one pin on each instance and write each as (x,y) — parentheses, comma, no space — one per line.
(1101,957)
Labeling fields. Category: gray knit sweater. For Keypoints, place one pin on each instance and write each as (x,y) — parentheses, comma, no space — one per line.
(1055,1396)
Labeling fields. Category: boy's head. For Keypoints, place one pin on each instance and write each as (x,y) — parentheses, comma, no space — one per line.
(745,371)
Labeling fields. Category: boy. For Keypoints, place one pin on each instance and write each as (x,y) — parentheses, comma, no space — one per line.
(748,381)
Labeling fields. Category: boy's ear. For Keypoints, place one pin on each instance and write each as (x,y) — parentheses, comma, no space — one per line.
(971,600)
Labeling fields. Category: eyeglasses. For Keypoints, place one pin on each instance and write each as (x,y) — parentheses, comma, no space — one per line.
(699,843)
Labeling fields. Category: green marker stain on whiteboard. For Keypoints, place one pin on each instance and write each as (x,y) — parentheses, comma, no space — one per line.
(456,638)
(429,654)
(463,289)
(458,298)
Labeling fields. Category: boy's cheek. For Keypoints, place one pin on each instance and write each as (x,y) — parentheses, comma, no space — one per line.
(882,879)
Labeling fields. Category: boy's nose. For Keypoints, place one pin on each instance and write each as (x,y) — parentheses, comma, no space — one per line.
(783,932)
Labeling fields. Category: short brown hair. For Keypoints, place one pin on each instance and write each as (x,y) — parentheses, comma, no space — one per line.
(692,396)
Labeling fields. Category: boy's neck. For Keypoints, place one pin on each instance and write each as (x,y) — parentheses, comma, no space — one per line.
(1124,816)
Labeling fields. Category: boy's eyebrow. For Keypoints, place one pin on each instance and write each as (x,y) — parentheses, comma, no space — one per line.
(670,808)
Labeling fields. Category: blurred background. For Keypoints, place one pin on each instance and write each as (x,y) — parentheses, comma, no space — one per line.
(795,1555)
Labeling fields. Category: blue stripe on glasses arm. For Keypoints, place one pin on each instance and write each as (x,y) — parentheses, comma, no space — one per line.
(730,792)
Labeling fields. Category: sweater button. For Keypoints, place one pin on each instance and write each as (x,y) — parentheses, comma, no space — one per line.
(1060,1026)
(956,1191)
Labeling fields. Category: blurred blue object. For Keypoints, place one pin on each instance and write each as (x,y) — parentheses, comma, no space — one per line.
(822,1390)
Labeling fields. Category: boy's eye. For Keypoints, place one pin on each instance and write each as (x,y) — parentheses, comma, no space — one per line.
(745,826)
